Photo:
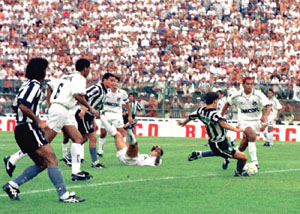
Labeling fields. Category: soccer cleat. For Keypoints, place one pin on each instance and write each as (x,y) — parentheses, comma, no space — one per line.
(10,168)
(267,144)
(81,160)
(225,164)
(195,156)
(98,165)
(72,199)
(240,174)
(233,143)
(130,125)
(11,191)
(99,155)
(206,144)
(67,161)
(81,176)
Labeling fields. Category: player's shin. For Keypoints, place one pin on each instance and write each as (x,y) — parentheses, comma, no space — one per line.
(270,138)
(109,128)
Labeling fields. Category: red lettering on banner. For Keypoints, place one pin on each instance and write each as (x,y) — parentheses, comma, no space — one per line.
(138,125)
(0,125)
(276,134)
(238,135)
(287,134)
(151,126)
(258,135)
(203,132)
(190,131)
(10,123)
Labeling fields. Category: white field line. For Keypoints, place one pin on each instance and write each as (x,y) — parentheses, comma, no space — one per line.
(141,180)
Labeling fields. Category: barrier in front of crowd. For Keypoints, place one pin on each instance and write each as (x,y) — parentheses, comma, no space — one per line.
(162,127)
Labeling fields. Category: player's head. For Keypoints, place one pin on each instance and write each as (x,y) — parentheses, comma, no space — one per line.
(108,79)
(211,97)
(155,149)
(82,64)
(131,96)
(220,93)
(270,93)
(36,69)
(248,83)
(116,82)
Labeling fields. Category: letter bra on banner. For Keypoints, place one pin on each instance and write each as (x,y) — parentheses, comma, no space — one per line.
(161,127)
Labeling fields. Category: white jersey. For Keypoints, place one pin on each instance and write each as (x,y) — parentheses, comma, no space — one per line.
(113,101)
(249,106)
(64,89)
(221,103)
(233,90)
(275,106)
(140,160)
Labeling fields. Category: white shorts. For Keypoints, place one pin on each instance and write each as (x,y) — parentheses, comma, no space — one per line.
(124,159)
(114,119)
(59,116)
(255,125)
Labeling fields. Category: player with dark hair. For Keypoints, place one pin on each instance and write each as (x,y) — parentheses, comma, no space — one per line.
(86,120)
(30,136)
(250,104)
(216,127)
(112,106)
(276,109)
(65,93)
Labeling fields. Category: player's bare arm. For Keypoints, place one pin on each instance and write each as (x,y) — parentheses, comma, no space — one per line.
(28,112)
(182,123)
(128,106)
(229,127)
(83,101)
(225,109)
(264,118)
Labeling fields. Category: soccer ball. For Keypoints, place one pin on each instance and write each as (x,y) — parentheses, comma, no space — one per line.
(251,168)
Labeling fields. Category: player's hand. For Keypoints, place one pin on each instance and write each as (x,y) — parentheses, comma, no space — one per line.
(263,118)
(81,114)
(44,126)
(95,112)
(181,123)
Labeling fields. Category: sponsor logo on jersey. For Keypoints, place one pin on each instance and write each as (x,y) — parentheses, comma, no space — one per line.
(251,110)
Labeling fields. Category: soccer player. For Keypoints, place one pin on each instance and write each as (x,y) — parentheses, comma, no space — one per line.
(66,92)
(112,108)
(276,109)
(86,120)
(250,104)
(216,127)
(30,136)
(128,152)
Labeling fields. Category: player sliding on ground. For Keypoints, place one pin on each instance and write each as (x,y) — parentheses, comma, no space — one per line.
(216,127)
(128,152)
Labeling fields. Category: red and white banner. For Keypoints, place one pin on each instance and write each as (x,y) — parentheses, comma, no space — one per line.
(161,127)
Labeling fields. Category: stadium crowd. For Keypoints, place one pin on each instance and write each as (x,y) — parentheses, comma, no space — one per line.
(190,46)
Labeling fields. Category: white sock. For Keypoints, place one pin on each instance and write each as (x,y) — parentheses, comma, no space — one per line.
(17,156)
(82,152)
(270,138)
(109,128)
(266,135)
(65,196)
(101,145)
(75,152)
(14,184)
(130,137)
(252,152)
(65,149)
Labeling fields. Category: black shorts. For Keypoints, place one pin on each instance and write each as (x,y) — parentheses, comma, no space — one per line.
(222,149)
(86,124)
(30,137)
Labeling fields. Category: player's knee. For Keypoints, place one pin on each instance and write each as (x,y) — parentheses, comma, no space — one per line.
(244,157)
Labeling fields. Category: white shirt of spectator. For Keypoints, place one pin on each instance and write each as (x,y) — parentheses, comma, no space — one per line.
(249,106)
(113,101)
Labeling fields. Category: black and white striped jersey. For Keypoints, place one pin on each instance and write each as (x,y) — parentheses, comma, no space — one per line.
(29,94)
(95,95)
(135,107)
(211,120)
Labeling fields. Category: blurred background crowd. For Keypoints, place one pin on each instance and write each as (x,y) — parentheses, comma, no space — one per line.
(168,52)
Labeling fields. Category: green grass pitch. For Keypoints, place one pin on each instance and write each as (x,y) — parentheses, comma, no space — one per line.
(177,186)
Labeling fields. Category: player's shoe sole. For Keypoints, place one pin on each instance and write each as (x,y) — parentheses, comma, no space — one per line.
(9,167)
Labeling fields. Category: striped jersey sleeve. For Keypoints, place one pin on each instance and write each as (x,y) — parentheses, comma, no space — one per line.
(95,95)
